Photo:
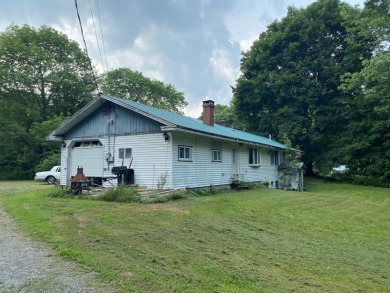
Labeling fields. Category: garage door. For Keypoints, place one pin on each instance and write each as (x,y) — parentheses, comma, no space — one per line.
(89,157)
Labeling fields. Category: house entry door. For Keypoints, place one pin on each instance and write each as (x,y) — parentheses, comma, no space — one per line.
(234,164)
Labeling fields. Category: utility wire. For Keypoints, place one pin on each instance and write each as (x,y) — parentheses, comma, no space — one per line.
(97,39)
(101,32)
(85,44)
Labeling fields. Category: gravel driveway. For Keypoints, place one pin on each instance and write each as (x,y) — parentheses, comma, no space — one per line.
(29,266)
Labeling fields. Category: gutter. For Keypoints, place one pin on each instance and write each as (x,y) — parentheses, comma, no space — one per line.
(184,130)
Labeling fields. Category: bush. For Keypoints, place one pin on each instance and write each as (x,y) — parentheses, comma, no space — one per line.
(121,194)
(206,191)
(175,195)
(253,185)
(358,180)
(370,181)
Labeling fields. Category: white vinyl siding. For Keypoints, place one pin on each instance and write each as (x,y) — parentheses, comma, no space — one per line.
(64,164)
(264,172)
(154,158)
(151,158)
(201,172)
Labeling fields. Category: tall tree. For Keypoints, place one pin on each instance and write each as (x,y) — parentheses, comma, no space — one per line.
(291,76)
(365,143)
(133,85)
(43,75)
(377,17)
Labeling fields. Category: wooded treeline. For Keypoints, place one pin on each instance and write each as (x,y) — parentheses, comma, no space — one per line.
(320,76)
(44,78)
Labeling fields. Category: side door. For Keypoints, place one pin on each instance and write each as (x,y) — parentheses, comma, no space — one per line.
(234,163)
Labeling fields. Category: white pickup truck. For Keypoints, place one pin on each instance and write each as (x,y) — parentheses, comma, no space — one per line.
(340,169)
(49,176)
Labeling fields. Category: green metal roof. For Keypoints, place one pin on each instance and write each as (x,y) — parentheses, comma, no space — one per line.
(197,125)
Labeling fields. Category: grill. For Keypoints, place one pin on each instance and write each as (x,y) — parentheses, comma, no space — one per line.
(80,182)
(124,175)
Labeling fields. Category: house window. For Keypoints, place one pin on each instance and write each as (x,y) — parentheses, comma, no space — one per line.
(185,153)
(254,156)
(274,155)
(83,144)
(217,155)
(125,153)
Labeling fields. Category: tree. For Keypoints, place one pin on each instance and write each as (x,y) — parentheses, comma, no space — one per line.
(365,143)
(44,77)
(291,76)
(133,85)
(377,17)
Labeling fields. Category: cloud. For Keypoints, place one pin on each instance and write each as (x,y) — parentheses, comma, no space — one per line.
(195,45)
(222,65)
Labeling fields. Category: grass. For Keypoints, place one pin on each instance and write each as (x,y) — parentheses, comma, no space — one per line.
(332,238)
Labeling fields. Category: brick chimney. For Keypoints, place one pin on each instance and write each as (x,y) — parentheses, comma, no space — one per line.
(208,112)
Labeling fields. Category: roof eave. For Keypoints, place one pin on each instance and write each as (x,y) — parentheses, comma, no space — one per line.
(143,113)
(188,130)
(88,109)
(75,118)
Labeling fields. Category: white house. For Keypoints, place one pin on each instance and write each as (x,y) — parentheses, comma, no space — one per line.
(165,150)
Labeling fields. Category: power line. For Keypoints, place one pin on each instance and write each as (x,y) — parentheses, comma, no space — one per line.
(101,32)
(85,44)
(97,39)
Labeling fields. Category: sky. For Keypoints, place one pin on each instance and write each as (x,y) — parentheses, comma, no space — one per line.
(195,45)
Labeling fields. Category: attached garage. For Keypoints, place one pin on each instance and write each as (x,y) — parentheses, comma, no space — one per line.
(89,155)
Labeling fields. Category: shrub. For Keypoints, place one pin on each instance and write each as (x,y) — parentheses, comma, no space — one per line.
(206,191)
(358,180)
(370,181)
(265,184)
(121,194)
(253,185)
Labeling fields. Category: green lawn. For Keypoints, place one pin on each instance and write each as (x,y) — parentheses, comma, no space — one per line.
(330,238)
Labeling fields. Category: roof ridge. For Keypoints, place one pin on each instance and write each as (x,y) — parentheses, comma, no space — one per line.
(150,107)
(196,125)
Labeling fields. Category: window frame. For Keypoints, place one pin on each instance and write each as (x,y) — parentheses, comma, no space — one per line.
(254,157)
(123,153)
(274,157)
(219,155)
(87,143)
(184,158)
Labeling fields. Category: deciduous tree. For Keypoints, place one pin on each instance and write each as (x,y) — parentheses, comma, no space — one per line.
(43,75)
(133,85)
(291,76)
